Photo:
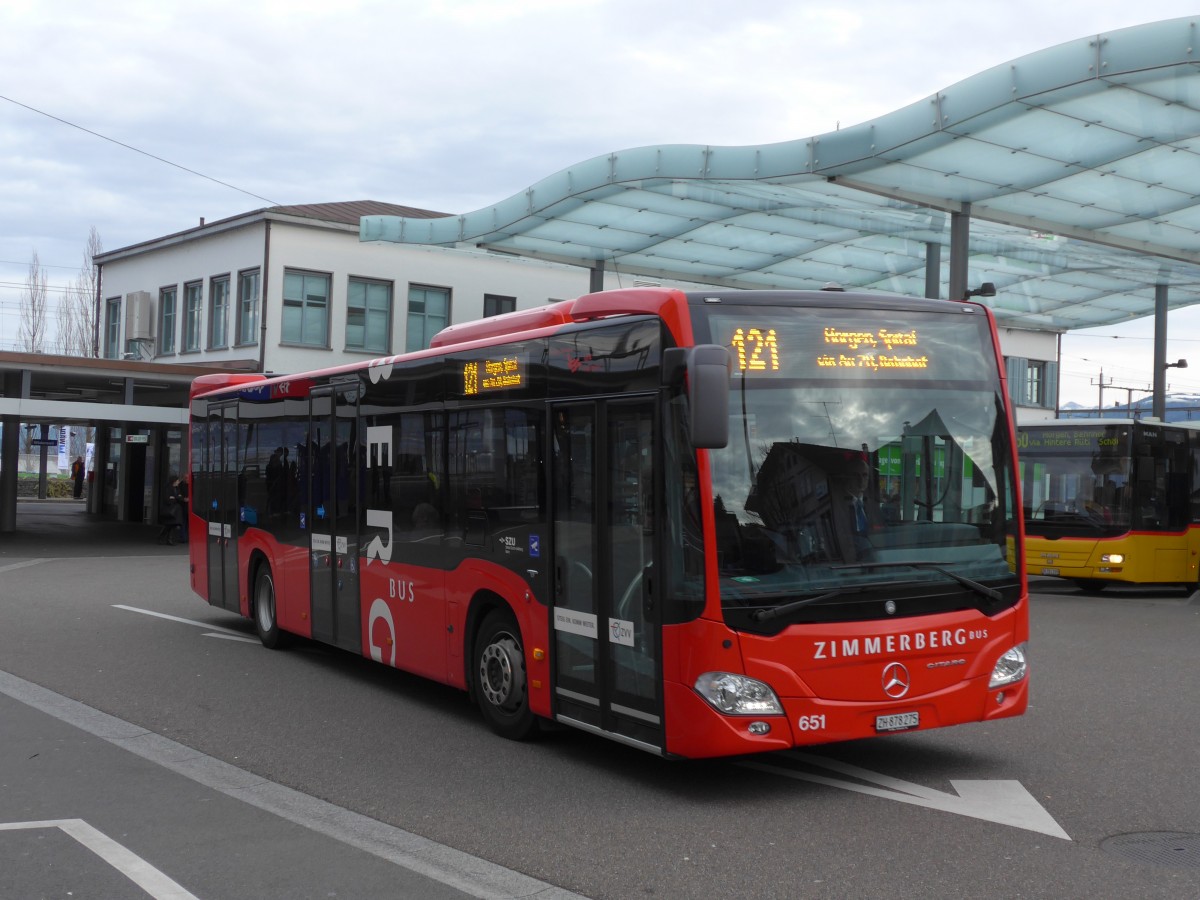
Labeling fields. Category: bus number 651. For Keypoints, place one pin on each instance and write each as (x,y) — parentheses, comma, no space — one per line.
(812,723)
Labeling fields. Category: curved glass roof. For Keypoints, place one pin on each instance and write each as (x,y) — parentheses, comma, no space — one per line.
(1078,165)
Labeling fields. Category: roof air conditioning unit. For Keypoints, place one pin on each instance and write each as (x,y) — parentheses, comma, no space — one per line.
(139,316)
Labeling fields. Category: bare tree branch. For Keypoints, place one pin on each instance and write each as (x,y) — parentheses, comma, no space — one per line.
(32,333)
(77,311)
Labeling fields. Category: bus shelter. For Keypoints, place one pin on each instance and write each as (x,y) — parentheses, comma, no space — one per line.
(138,411)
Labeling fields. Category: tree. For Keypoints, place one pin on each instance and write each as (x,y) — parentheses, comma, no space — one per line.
(77,312)
(32,333)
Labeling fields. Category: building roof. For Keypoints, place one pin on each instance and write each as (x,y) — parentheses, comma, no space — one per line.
(1077,165)
(351,212)
(346,213)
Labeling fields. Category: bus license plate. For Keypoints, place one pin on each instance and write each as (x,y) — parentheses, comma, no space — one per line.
(898,721)
(1049,571)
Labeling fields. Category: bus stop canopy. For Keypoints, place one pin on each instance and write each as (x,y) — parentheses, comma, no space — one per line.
(1076,167)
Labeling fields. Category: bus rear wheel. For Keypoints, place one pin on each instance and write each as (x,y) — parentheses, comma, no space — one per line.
(501,686)
(265,621)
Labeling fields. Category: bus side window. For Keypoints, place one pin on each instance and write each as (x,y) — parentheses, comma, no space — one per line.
(1194,487)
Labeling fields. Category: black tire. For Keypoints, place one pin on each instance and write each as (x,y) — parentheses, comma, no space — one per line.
(265,621)
(501,684)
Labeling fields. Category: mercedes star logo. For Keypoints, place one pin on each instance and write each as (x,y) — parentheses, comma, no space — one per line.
(895,680)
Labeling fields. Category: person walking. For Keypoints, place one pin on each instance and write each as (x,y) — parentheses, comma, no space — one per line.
(77,476)
(170,515)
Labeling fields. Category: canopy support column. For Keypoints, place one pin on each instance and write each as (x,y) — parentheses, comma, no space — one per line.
(1159,403)
(933,270)
(960,250)
(16,384)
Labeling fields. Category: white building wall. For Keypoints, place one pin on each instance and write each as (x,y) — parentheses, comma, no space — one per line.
(467,273)
(1042,345)
(174,265)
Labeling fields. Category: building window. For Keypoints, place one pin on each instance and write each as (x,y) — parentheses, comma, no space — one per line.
(1035,383)
(247,332)
(305,309)
(166,321)
(494,305)
(1032,382)
(218,305)
(368,315)
(112,328)
(193,306)
(428,313)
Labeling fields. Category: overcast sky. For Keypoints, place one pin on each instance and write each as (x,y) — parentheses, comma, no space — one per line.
(139,118)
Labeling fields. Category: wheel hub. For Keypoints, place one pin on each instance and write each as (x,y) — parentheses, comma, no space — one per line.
(502,681)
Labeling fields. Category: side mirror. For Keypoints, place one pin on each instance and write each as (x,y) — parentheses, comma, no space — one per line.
(708,370)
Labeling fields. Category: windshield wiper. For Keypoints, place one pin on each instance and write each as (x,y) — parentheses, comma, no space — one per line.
(774,612)
(982,589)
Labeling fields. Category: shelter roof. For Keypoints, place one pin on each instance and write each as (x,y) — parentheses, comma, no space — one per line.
(1079,166)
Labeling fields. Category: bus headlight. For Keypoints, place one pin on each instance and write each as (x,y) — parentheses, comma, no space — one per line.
(1116,558)
(1010,668)
(737,695)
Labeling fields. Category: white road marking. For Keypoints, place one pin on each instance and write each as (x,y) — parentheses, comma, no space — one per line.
(121,858)
(232,637)
(472,875)
(216,630)
(1004,802)
(22,565)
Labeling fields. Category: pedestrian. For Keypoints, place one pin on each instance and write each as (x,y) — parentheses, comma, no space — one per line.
(170,515)
(183,509)
(77,476)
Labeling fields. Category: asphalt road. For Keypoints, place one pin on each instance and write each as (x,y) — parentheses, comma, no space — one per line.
(372,777)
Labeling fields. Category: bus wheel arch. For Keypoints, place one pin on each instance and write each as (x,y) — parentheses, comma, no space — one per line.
(497,674)
(263,608)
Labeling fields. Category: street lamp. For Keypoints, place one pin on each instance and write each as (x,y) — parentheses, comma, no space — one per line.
(1159,410)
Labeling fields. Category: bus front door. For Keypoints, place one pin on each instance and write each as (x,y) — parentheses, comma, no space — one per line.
(223,506)
(333,465)
(606,620)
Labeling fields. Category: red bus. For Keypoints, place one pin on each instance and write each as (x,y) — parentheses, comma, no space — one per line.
(697,523)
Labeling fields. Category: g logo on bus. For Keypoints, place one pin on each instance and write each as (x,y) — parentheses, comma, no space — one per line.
(895,680)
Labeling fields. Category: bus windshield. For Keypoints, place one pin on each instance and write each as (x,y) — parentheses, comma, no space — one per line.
(867,457)
(1076,479)
(1095,479)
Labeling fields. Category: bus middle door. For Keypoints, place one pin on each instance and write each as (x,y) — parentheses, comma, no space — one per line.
(334,464)
(223,506)
(606,619)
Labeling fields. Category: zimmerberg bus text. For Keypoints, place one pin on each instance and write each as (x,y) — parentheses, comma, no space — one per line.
(893,643)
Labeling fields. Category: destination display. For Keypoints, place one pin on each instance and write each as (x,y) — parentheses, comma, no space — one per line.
(487,375)
(867,344)
(882,349)
(1107,440)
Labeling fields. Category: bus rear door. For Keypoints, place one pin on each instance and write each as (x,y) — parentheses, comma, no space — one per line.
(607,623)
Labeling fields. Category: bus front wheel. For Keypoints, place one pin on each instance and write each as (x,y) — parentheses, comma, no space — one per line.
(265,621)
(501,686)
